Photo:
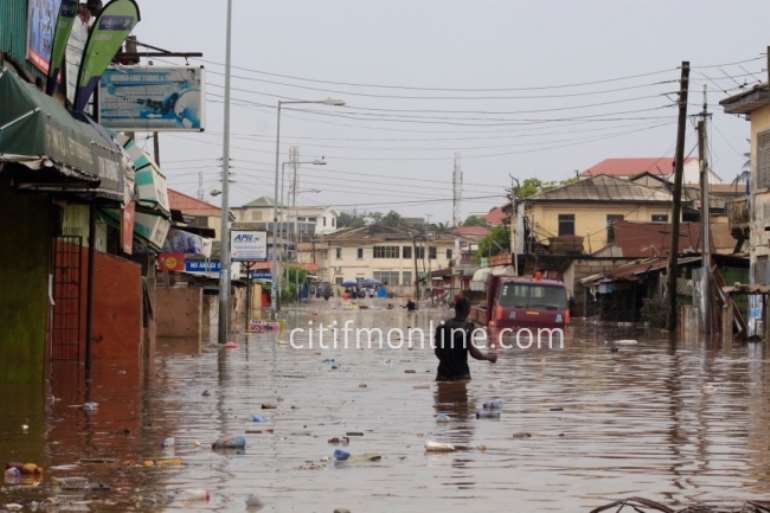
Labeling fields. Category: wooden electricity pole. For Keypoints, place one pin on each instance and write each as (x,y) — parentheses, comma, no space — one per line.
(684,85)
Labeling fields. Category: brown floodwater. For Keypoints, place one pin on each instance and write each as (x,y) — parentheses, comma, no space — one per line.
(680,424)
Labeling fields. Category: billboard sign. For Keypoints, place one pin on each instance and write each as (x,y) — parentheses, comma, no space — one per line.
(41,21)
(248,246)
(202,266)
(152,98)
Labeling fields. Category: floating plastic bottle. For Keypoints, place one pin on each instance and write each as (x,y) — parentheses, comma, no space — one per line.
(340,455)
(495,404)
(432,446)
(442,417)
(258,418)
(195,494)
(229,442)
(168,442)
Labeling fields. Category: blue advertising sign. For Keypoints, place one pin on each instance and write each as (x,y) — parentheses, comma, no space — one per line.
(201,266)
(264,276)
(41,20)
(152,98)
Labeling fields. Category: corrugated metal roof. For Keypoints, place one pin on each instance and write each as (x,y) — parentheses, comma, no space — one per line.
(605,189)
(661,166)
(13,29)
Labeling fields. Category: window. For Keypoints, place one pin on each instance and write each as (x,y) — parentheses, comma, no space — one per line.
(338,280)
(387,277)
(312,220)
(324,221)
(334,222)
(449,254)
(386,251)
(763,159)
(406,278)
(432,253)
(339,253)
(406,251)
(659,218)
(611,220)
(360,253)
(525,295)
(419,252)
(566,224)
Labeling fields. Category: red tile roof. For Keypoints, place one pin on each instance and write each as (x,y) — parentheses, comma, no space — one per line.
(471,231)
(663,166)
(189,205)
(495,216)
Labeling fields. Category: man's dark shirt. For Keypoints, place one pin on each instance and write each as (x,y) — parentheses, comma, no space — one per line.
(452,350)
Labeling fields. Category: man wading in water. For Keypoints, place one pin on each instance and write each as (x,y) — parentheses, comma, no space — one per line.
(453,342)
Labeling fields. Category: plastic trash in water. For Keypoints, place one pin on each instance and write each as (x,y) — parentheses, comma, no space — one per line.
(253,503)
(229,442)
(258,418)
(340,455)
(495,404)
(433,446)
(626,342)
(488,414)
(91,406)
(195,494)
(231,345)
(168,442)
(442,417)
(12,474)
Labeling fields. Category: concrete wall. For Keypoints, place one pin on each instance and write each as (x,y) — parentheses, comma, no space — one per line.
(760,211)
(117,314)
(352,267)
(590,219)
(25,246)
(179,312)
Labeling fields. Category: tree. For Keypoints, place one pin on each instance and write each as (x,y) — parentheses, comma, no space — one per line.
(498,240)
(392,219)
(346,220)
(475,221)
(531,186)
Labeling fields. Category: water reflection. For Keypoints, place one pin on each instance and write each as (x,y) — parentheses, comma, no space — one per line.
(678,423)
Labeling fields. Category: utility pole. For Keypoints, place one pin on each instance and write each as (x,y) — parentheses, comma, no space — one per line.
(156,147)
(416,274)
(201,192)
(673,271)
(705,217)
(457,190)
(514,225)
(224,271)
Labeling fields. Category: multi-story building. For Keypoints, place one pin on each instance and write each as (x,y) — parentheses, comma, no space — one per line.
(307,221)
(392,255)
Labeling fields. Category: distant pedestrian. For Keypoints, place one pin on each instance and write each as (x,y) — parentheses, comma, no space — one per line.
(411,305)
(453,342)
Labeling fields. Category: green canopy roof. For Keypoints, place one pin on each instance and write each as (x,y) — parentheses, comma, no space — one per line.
(38,132)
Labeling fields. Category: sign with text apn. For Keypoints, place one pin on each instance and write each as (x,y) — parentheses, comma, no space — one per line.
(152,98)
(248,246)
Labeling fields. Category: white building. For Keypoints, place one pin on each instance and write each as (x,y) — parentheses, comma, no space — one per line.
(309,221)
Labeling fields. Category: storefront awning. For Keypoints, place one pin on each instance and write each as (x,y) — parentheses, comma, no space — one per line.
(62,153)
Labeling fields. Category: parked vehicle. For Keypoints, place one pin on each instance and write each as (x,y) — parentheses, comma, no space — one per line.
(522,302)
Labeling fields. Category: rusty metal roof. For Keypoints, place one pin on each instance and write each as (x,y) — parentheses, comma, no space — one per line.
(604,189)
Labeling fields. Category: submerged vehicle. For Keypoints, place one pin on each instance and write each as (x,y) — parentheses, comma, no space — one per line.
(522,302)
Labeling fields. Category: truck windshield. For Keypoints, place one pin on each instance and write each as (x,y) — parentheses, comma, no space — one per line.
(527,295)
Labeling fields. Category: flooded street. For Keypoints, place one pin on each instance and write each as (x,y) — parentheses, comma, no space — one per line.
(678,426)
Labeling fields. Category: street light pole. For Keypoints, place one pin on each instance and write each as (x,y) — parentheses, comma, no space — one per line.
(224,271)
(274,292)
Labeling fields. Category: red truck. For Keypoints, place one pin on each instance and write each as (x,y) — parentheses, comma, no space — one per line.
(522,302)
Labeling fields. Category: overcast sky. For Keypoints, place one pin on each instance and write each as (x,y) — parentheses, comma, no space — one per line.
(380,159)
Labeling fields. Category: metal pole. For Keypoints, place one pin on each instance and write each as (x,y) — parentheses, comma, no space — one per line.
(705,216)
(677,210)
(276,279)
(224,272)
(156,147)
(90,291)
